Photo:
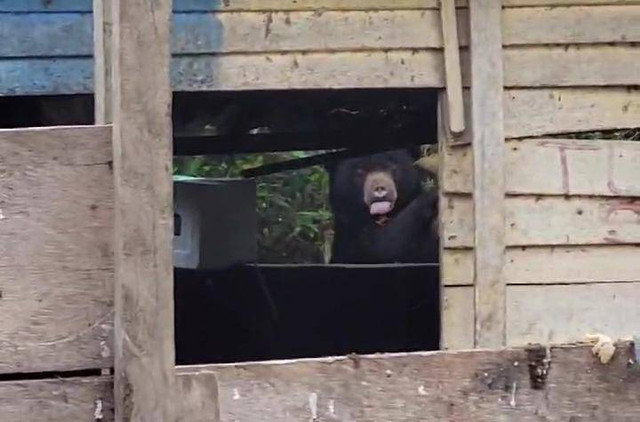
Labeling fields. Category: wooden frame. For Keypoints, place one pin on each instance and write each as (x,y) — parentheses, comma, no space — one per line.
(142,147)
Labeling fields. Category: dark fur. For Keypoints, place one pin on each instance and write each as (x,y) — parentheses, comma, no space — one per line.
(408,236)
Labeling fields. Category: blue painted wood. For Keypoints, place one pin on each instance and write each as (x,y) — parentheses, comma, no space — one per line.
(71,34)
(46,76)
(46,34)
(45,6)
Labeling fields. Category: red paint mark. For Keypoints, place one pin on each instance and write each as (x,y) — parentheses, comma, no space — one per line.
(611,182)
(632,205)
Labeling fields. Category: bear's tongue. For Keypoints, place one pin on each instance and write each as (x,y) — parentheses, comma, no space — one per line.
(380,208)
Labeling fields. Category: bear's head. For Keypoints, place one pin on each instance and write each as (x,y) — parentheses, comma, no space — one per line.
(375,186)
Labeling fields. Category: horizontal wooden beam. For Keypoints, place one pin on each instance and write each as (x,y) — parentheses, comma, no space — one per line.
(551,265)
(469,385)
(549,220)
(555,167)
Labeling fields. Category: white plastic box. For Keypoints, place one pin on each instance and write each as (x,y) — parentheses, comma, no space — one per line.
(215,222)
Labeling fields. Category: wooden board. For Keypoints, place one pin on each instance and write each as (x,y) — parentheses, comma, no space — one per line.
(536,112)
(291,5)
(488,171)
(396,68)
(102,40)
(555,167)
(571,25)
(144,374)
(56,262)
(458,317)
(571,66)
(551,220)
(69,34)
(551,265)
(565,313)
(470,385)
(57,400)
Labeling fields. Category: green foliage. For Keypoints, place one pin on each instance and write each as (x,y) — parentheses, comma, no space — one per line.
(294,219)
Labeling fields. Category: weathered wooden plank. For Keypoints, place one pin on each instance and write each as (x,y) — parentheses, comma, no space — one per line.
(458,318)
(555,167)
(551,265)
(550,220)
(536,112)
(45,34)
(488,164)
(56,267)
(469,385)
(571,25)
(69,34)
(102,40)
(290,5)
(57,400)
(142,145)
(566,313)
(453,74)
(197,393)
(309,70)
(572,66)
(46,76)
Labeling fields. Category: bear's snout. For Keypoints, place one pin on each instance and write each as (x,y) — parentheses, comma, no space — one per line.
(380,192)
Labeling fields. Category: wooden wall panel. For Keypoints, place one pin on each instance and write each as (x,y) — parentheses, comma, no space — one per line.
(470,385)
(56,257)
(57,400)
(555,167)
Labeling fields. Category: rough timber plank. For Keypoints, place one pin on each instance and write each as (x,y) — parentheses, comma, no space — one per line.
(57,400)
(457,317)
(571,25)
(571,66)
(56,263)
(565,313)
(309,70)
(102,36)
(470,385)
(536,112)
(555,167)
(551,265)
(453,75)
(550,220)
(488,164)
(142,144)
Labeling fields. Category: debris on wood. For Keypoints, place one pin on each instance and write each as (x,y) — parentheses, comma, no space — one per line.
(604,348)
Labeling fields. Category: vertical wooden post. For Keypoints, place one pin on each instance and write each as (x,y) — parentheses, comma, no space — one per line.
(453,74)
(102,39)
(142,141)
(488,161)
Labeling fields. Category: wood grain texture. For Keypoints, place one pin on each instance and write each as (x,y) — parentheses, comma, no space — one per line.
(536,112)
(470,385)
(571,25)
(57,400)
(142,143)
(197,396)
(566,313)
(102,40)
(550,220)
(453,74)
(458,318)
(555,167)
(56,262)
(291,5)
(488,166)
(551,265)
(572,66)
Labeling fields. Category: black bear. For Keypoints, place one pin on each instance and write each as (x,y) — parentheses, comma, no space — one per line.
(381,212)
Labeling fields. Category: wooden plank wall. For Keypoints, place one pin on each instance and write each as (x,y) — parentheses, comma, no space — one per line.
(572,224)
(280,44)
(460,386)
